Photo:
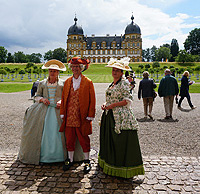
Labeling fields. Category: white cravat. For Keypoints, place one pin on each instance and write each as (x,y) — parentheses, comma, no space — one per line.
(76,83)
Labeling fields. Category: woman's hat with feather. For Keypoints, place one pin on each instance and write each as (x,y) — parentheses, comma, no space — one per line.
(120,64)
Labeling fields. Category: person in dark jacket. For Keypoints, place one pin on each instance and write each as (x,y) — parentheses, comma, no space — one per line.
(167,89)
(34,88)
(184,90)
(146,88)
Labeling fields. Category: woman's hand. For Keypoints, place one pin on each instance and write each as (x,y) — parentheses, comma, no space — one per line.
(111,106)
(58,104)
(103,107)
(45,101)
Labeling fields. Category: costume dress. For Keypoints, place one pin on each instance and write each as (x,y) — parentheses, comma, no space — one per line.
(119,153)
(51,145)
(37,129)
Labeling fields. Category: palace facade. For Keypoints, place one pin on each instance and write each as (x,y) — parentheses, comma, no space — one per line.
(99,49)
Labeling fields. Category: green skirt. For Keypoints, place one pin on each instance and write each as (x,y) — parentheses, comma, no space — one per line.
(119,154)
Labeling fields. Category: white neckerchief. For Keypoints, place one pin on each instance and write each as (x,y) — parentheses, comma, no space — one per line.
(76,83)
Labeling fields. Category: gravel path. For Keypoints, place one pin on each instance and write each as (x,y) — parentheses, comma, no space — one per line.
(180,137)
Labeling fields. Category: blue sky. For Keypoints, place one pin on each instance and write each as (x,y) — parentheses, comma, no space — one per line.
(42,25)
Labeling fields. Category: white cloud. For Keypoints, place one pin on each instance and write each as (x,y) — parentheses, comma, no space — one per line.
(39,26)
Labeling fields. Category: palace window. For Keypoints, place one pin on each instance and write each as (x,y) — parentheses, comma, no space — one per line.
(103,52)
(93,52)
(108,52)
(99,61)
(133,44)
(98,52)
(88,52)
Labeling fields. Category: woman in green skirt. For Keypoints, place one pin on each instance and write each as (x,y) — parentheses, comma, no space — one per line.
(119,153)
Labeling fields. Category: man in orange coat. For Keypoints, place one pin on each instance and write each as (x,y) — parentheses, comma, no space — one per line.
(77,111)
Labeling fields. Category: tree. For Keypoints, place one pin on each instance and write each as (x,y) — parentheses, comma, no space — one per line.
(10,58)
(2,72)
(48,55)
(183,57)
(34,57)
(162,53)
(153,53)
(3,54)
(166,45)
(174,48)
(192,43)
(20,57)
(156,64)
(146,54)
(60,54)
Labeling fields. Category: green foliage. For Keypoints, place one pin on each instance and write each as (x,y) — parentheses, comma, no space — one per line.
(192,43)
(34,57)
(3,54)
(17,87)
(174,49)
(10,58)
(162,53)
(20,57)
(183,57)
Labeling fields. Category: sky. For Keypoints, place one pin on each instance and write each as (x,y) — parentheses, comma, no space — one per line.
(37,26)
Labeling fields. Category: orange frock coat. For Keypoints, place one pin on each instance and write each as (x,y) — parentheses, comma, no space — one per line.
(86,100)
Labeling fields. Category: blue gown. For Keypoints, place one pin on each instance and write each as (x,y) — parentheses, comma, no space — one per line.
(51,145)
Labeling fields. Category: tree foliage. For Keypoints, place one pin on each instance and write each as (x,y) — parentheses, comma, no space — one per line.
(174,48)
(162,53)
(3,54)
(192,43)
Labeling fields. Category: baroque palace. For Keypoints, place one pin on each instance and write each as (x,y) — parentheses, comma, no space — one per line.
(99,49)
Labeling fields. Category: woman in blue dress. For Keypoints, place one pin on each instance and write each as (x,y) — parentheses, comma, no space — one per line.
(41,141)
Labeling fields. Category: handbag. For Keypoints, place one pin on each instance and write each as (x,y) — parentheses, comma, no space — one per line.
(154,94)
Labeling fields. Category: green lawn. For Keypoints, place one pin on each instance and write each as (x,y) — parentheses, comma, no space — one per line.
(98,73)
(14,87)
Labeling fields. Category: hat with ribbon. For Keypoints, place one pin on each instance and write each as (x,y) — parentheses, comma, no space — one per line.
(120,64)
(54,64)
(84,63)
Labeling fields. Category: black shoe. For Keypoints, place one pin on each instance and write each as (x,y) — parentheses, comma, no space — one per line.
(67,165)
(167,117)
(87,166)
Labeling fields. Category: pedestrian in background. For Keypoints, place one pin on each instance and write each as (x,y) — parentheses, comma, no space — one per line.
(184,90)
(168,88)
(146,90)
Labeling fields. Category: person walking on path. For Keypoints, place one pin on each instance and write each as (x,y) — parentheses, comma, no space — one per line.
(119,153)
(146,88)
(167,89)
(77,110)
(184,90)
(41,141)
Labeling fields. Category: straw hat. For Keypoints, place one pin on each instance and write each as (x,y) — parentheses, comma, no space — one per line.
(54,64)
(120,64)
(84,63)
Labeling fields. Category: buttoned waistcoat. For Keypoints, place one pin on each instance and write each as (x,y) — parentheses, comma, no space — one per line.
(86,100)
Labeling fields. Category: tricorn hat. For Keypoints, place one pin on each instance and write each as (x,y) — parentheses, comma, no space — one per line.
(54,64)
(79,61)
